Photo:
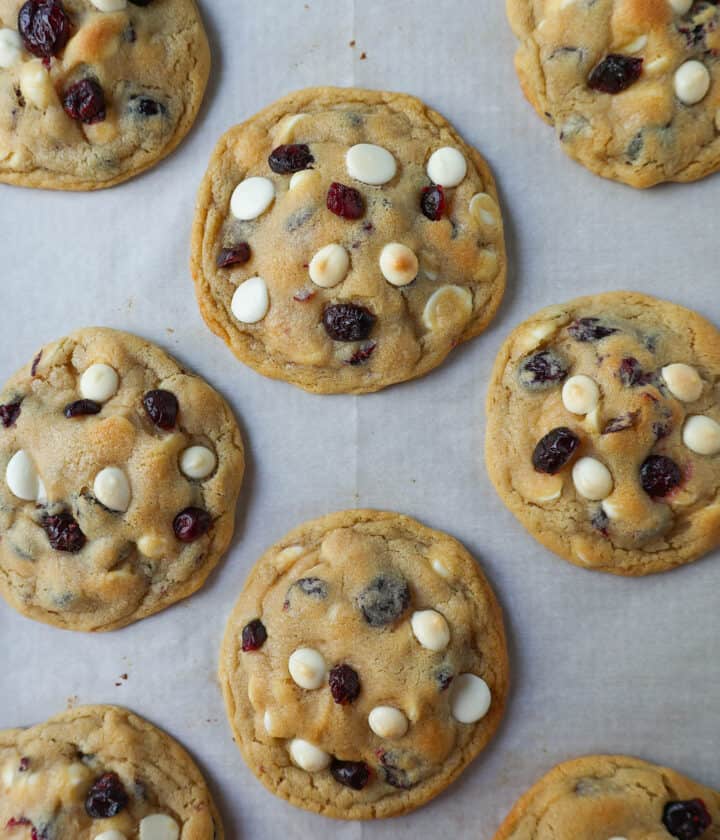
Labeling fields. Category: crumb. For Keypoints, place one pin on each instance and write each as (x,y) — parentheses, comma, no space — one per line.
(352,43)
(72,701)
(363,56)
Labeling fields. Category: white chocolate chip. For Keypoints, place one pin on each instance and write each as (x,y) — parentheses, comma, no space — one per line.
(430,629)
(681,7)
(99,383)
(370,164)
(447,167)
(692,82)
(159,827)
(447,307)
(440,569)
(284,131)
(702,435)
(112,489)
(580,394)
(657,65)
(302,178)
(109,5)
(154,546)
(398,264)
(251,198)
(307,756)
(8,774)
(388,722)
(285,558)
(634,46)
(683,382)
(22,479)
(11,46)
(113,834)
(618,838)
(269,723)
(484,209)
(198,462)
(251,301)
(307,668)
(36,85)
(592,479)
(329,266)
(470,698)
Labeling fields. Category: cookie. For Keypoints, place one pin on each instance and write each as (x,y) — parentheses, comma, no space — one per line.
(346,240)
(603,432)
(364,665)
(632,87)
(613,797)
(101,773)
(119,476)
(93,92)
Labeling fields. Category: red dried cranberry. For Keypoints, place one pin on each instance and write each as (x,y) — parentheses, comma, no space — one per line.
(237,255)
(362,355)
(64,533)
(344,684)
(14,822)
(615,73)
(162,408)
(687,819)
(106,798)
(590,329)
(85,101)
(555,450)
(254,635)
(9,413)
(44,27)
(24,765)
(348,322)
(81,408)
(191,524)
(622,423)
(542,370)
(432,202)
(659,476)
(632,374)
(352,774)
(291,158)
(345,201)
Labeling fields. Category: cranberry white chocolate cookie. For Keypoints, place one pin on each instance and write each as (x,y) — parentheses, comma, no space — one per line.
(346,240)
(93,92)
(603,432)
(119,475)
(613,797)
(364,665)
(101,773)
(632,87)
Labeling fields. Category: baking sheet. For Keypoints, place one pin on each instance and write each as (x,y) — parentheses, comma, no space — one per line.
(599,663)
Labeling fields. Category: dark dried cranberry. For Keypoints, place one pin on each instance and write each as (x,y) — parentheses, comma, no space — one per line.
(344,684)
(345,201)
(162,408)
(444,677)
(9,413)
(81,408)
(313,587)
(147,107)
(85,101)
(542,370)
(44,27)
(362,355)
(254,635)
(394,775)
(659,476)
(686,820)
(632,374)
(615,73)
(64,533)
(191,524)
(590,329)
(555,450)
(622,423)
(348,322)
(291,158)
(661,430)
(24,765)
(352,774)
(600,521)
(106,798)
(237,255)
(432,202)
(384,599)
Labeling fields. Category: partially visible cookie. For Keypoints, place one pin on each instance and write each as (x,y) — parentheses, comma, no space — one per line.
(119,476)
(631,86)
(101,773)
(364,665)
(346,240)
(613,797)
(92,92)
(603,433)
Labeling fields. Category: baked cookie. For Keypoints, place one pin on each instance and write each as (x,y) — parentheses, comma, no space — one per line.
(93,92)
(603,435)
(613,797)
(119,475)
(101,773)
(346,240)
(364,665)
(631,86)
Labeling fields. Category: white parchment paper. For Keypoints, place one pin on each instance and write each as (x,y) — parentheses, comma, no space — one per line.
(600,664)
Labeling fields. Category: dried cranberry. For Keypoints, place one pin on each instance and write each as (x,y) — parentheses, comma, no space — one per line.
(600,521)
(35,364)
(443,678)
(615,73)
(631,373)
(555,450)
(659,476)
(352,774)
(344,684)
(64,533)
(9,413)
(304,295)
(191,524)
(687,819)
(392,773)
(345,201)
(291,158)
(81,408)
(348,322)
(85,101)
(14,822)
(313,587)
(162,408)
(542,370)
(362,355)
(254,635)
(384,599)
(106,798)
(432,202)
(24,765)
(590,329)
(661,430)
(622,423)
(237,255)
(44,27)
(147,107)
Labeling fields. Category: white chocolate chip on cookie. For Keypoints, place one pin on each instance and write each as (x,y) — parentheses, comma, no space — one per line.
(112,489)
(580,394)
(683,382)
(11,48)
(329,266)
(251,198)
(681,7)
(592,479)
(110,5)
(702,435)
(484,209)
(307,668)
(198,462)
(447,167)
(470,698)
(113,834)
(251,301)
(431,629)
(692,82)
(307,756)
(388,722)
(450,305)
(22,479)
(36,85)
(370,164)
(159,827)
(99,383)
(399,264)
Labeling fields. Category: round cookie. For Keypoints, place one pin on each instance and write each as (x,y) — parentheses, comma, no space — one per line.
(603,432)
(93,92)
(346,240)
(632,87)
(101,773)
(119,476)
(613,797)
(364,665)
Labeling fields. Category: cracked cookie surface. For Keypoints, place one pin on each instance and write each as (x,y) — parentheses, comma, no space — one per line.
(119,476)
(346,240)
(364,665)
